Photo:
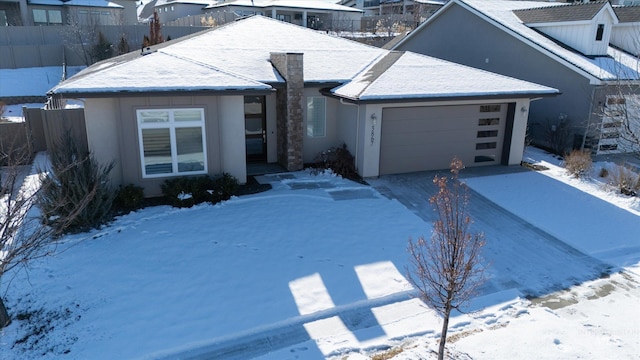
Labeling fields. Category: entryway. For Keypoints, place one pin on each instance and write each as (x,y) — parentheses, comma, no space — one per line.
(255,129)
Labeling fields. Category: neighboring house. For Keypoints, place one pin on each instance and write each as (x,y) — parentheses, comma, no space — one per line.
(169,10)
(261,90)
(314,14)
(59,12)
(386,7)
(565,46)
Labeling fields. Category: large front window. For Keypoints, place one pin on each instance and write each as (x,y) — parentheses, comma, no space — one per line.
(172,142)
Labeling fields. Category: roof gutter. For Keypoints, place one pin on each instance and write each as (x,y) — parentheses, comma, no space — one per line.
(109,94)
(532,96)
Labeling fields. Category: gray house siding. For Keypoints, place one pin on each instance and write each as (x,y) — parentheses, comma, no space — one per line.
(482,45)
(129,144)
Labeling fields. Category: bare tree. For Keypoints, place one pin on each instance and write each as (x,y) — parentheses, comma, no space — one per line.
(446,269)
(619,128)
(80,34)
(25,234)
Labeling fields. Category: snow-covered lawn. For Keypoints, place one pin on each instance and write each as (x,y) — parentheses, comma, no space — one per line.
(315,268)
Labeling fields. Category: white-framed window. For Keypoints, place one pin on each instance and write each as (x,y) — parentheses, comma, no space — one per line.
(599,32)
(3,18)
(172,142)
(40,16)
(47,17)
(316,116)
(55,17)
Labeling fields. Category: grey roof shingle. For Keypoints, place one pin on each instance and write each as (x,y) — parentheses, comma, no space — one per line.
(571,12)
(627,14)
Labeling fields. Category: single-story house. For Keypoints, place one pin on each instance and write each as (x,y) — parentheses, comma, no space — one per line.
(586,50)
(262,90)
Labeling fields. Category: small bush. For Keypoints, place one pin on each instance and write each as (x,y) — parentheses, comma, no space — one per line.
(224,187)
(578,163)
(339,160)
(624,179)
(129,198)
(188,191)
(603,172)
(76,194)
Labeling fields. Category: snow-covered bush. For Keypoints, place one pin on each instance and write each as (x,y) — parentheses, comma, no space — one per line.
(224,187)
(129,198)
(339,160)
(188,191)
(624,179)
(76,194)
(578,163)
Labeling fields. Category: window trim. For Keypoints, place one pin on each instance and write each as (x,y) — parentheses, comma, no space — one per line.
(312,127)
(600,32)
(172,125)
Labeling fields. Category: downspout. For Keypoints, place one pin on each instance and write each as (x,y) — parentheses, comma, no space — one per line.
(357,128)
(584,136)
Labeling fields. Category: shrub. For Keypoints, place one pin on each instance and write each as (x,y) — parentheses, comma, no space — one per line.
(339,160)
(578,163)
(76,194)
(224,187)
(624,179)
(603,172)
(129,198)
(188,191)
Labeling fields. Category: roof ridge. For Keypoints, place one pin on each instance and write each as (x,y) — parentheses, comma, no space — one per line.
(377,67)
(564,5)
(209,66)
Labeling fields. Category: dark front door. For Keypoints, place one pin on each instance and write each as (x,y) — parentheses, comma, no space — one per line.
(255,122)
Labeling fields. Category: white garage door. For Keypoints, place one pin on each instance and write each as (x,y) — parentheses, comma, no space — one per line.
(427,138)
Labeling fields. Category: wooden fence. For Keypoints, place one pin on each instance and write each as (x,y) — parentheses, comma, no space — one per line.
(40,131)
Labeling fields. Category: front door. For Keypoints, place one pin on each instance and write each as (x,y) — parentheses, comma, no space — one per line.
(255,122)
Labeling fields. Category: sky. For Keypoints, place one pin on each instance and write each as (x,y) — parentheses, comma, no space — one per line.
(317,268)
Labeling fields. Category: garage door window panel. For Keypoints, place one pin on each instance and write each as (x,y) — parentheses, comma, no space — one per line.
(172,142)
(490,108)
(489,121)
(487,133)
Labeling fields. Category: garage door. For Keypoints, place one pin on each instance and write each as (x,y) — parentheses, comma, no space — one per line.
(427,138)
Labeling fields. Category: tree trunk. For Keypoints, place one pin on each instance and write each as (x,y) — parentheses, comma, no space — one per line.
(443,336)
(4,316)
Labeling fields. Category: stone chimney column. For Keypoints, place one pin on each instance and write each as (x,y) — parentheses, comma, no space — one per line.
(290,114)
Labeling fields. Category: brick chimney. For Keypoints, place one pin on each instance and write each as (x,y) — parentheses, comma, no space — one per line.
(289,109)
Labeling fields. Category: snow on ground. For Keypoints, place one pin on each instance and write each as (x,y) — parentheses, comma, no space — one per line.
(32,81)
(13,113)
(315,268)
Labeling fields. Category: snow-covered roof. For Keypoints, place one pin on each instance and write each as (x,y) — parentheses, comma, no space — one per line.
(294,4)
(173,2)
(502,14)
(567,12)
(87,3)
(236,56)
(405,78)
(628,14)
(155,72)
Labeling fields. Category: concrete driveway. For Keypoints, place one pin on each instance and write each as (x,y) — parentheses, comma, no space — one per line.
(512,243)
